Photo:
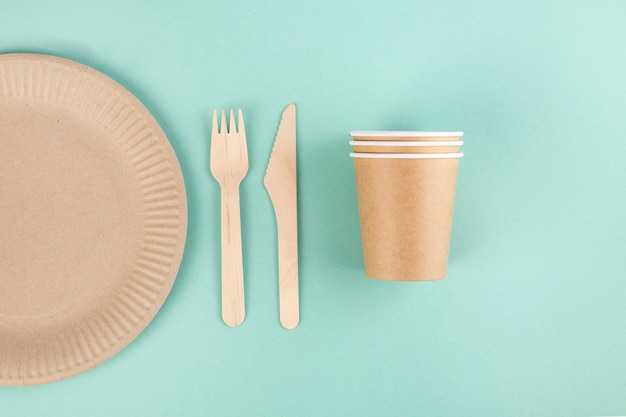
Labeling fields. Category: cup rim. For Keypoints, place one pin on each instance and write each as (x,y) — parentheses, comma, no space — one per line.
(405,143)
(407,155)
(403,134)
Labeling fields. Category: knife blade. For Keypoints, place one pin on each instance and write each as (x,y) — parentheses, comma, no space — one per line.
(280,182)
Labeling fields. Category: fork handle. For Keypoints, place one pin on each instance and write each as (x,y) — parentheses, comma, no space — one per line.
(233,303)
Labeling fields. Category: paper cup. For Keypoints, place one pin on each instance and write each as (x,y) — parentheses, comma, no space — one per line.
(405,135)
(406,203)
(375,146)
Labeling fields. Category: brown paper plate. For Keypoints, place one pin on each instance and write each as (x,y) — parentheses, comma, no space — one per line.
(93,218)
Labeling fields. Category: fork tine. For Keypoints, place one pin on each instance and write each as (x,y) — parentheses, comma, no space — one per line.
(233,128)
(223,128)
(241,136)
(242,129)
(214,131)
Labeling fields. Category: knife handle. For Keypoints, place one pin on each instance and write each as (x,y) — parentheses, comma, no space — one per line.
(288,269)
(233,303)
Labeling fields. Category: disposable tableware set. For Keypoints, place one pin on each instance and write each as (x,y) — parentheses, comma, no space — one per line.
(93,214)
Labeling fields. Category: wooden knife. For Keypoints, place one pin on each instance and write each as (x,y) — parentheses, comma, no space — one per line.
(280,181)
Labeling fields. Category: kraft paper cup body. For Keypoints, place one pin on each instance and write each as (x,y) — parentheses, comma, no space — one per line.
(405,208)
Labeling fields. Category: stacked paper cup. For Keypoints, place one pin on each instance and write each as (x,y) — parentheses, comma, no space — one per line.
(406,183)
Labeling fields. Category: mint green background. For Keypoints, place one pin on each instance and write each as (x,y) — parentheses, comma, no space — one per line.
(531,319)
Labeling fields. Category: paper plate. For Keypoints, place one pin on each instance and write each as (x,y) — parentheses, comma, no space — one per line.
(93,218)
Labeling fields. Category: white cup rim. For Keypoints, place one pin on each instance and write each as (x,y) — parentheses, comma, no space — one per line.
(403,134)
(404,143)
(407,155)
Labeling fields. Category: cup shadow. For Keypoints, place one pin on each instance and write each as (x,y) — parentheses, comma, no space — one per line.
(333,205)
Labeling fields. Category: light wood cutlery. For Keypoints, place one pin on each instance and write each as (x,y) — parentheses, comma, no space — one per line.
(229,165)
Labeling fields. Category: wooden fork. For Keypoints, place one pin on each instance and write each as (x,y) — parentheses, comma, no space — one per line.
(229,165)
